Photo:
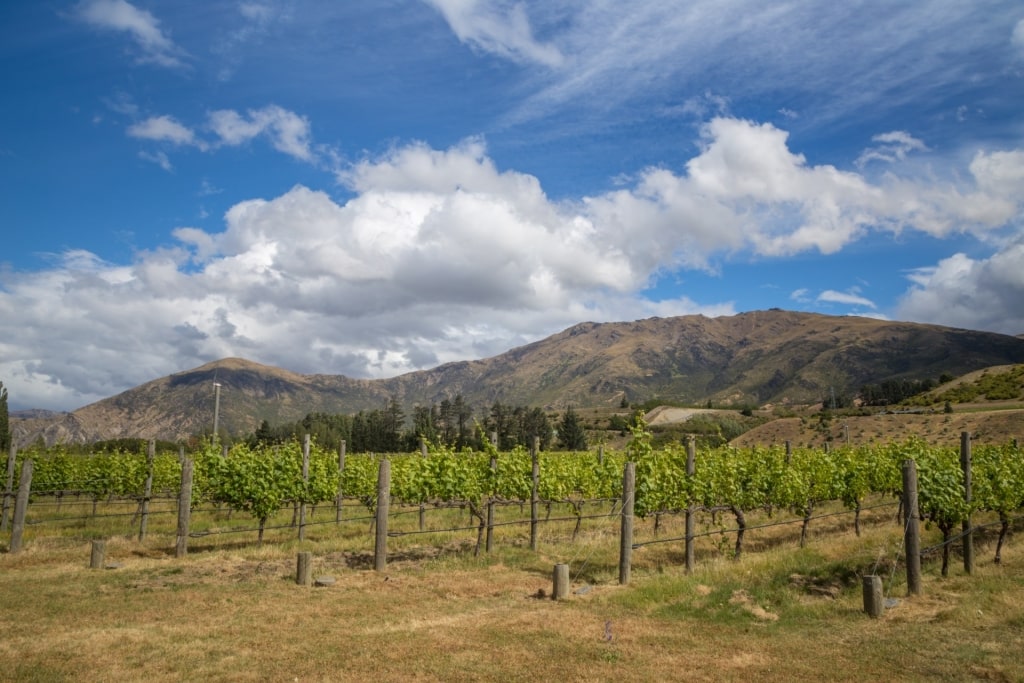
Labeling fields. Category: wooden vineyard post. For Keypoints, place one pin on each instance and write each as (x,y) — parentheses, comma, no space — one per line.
(12,456)
(490,510)
(304,569)
(560,582)
(380,546)
(912,527)
(98,554)
(874,604)
(21,506)
(534,500)
(968,532)
(341,479)
(789,451)
(184,508)
(626,535)
(147,491)
(305,483)
(423,506)
(691,468)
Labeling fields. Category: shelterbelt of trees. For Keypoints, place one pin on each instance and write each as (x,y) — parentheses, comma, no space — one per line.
(450,423)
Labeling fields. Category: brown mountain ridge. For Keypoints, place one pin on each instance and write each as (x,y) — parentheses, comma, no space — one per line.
(754,358)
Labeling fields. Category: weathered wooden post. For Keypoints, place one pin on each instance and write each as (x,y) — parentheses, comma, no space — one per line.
(305,484)
(691,469)
(184,508)
(560,582)
(912,527)
(21,506)
(304,568)
(97,556)
(789,451)
(490,509)
(626,535)
(423,506)
(341,481)
(534,499)
(147,491)
(380,547)
(12,455)
(874,604)
(968,532)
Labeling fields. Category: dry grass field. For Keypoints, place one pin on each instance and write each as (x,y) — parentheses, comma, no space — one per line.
(985,423)
(231,610)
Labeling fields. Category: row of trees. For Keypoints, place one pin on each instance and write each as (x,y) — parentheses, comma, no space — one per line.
(894,391)
(450,423)
(5,424)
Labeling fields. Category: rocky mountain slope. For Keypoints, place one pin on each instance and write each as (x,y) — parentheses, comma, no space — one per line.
(753,358)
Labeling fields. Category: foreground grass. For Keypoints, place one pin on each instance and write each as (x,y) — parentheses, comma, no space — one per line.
(231,611)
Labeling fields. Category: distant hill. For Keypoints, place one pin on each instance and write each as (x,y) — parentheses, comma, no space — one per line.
(757,358)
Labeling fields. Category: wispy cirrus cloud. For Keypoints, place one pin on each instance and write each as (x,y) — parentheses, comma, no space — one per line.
(501,28)
(890,147)
(848,298)
(615,58)
(152,42)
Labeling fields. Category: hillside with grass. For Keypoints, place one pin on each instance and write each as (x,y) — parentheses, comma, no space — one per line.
(775,357)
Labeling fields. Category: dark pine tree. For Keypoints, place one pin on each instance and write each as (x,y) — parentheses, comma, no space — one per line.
(571,435)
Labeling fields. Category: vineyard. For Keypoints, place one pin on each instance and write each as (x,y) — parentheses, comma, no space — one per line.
(722,483)
(782,536)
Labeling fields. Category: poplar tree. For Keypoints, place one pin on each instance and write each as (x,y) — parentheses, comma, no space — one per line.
(5,424)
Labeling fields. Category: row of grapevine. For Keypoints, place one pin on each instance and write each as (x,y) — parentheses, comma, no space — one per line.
(259,480)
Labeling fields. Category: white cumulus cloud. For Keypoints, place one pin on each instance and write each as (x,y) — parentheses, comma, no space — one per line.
(440,255)
(961,291)
(287,131)
(165,129)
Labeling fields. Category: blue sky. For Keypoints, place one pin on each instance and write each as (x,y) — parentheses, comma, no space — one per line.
(374,188)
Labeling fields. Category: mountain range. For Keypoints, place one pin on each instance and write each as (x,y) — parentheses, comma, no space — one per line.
(750,359)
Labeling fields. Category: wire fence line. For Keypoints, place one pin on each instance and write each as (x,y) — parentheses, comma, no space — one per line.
(968,532)
(794,520)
